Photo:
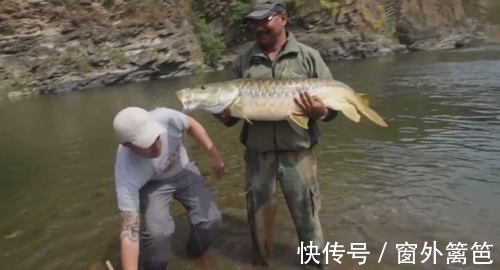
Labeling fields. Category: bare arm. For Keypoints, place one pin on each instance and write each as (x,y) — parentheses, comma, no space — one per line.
(198,133)
(129,239)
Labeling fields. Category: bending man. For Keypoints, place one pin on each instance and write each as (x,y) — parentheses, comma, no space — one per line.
(152,167)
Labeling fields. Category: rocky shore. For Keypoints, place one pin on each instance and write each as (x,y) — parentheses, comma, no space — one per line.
(52,46)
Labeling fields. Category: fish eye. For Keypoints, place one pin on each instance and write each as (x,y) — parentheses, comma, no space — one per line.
(203,87)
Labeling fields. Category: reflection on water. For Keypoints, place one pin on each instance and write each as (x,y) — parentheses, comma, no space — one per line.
(432,175)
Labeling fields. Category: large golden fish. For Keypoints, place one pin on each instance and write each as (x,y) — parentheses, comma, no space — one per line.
(272,99)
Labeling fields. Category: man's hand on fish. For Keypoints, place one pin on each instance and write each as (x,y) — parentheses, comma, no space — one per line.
(311,107)
(223,116)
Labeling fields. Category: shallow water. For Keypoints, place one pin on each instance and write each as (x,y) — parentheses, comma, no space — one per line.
(433,175)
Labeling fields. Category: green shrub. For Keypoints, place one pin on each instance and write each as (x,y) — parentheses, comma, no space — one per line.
(82,65)
(15,88)
(376,24)
(211,45)
(200,7)
(238,10)
(294,3)
(212,48)
(331,6)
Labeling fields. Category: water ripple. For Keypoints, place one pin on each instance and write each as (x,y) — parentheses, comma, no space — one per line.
(433,173)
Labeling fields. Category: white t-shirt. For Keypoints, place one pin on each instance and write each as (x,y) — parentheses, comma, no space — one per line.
(133,171)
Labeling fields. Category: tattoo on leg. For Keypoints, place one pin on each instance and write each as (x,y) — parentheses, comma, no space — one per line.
(130,226)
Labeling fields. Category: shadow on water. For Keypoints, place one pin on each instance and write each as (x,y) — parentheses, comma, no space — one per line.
(432,175)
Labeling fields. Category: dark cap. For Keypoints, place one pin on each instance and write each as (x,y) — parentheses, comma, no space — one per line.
(264,8)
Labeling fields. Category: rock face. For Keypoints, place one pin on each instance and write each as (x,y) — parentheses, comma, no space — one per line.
(48,46)
(357,29)
(429,25)
(372,28)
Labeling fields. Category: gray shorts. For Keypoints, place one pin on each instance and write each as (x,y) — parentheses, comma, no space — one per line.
(188,187)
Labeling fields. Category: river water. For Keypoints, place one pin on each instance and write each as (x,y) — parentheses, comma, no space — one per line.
(432,175)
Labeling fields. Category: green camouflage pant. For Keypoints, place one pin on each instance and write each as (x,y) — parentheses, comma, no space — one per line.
(296,173)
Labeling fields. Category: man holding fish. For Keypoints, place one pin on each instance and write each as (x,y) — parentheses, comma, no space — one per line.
(274,152)
(281,88)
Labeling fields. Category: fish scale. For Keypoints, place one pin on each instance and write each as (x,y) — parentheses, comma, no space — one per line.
(278,97)
(272,99)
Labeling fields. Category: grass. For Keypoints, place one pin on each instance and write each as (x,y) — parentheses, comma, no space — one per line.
(376,24)
(82,65)
(148,10)
(332,6)
(11,89)
(119,58)
(15,88)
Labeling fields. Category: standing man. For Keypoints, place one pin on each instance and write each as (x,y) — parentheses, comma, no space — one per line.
(274,152)
(152,167)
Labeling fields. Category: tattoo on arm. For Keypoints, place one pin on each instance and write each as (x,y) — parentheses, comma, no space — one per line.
(130,226)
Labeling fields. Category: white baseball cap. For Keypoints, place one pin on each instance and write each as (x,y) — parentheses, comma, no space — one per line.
(137,126)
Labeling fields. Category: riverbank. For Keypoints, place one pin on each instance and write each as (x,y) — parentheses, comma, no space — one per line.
(55,46)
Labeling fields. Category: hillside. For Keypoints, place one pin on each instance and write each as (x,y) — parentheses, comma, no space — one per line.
(50,46)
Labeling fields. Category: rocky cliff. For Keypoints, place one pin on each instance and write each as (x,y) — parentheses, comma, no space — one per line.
(48,46)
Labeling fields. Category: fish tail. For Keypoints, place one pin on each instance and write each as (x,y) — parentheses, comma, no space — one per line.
(363,105)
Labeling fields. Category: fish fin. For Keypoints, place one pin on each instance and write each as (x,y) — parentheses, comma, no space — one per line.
(371,114)
(239,108)
(365,98)
(299,120)
(288,72)
(350,112)
(297,123)
(297,129)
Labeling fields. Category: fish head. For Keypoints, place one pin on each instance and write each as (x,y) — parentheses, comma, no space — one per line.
(214,98)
